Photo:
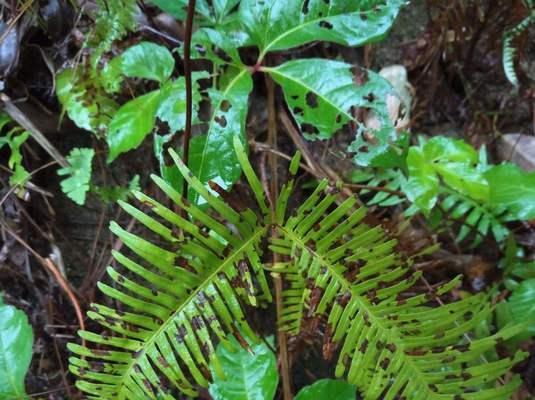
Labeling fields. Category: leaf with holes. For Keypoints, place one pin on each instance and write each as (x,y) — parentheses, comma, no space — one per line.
(248,374)
(280,24)
(172,107)
(132,123)
(211,154)
(323,96)
(85,103)
(194,281)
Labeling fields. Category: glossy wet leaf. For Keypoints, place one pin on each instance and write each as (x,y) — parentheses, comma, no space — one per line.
(450,160)
(328,389)
(148,60)
(322,95)
(76,185)
(512,188)
(16,341)
(211,154)
(247,376)
(132,123)
(223,7)
(280,24)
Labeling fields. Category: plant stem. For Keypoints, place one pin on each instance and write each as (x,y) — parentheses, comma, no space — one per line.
(189,96)
(273,191)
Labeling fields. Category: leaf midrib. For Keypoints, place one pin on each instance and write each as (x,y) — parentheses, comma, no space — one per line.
(301,26)
(209,279)
(363,304)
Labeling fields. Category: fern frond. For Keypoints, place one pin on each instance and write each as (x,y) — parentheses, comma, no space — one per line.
(176,296)
(475,217)
(114,20)
(392,179)
(509,51)
(393,344)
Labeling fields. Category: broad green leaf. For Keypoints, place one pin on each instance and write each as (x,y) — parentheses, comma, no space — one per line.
(247,376)
(76,185)
(219,45)
(327,389)
(148,60)
(132,123)
(282,24)
(212,155)
(321,95)
(179,8)
(423,185)
(84,103)
(16,341)
(453,161)
(223,7)
(514,189)
(519,308)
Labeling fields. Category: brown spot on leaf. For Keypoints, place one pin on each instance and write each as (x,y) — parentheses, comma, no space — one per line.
(312,99)
(326,25)
(221,120)
(225,106)
(360,75)
(310,129)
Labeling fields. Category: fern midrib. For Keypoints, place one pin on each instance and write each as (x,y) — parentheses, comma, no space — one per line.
(209,279)
(362,304)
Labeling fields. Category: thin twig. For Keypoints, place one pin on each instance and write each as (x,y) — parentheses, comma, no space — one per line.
(68,291)
(49,265)
(189,96)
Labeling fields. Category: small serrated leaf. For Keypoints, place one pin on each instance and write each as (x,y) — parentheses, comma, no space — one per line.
(76,185)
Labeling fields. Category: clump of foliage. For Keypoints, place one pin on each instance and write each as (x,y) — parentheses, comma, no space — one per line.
(321,94)
(183,296)
(447,179)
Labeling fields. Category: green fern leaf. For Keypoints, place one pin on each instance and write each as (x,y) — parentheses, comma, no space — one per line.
(392,344)
(176,300)
(509,51)
(178,294)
